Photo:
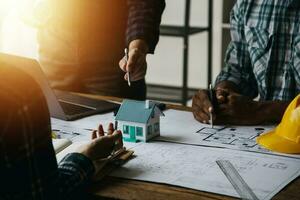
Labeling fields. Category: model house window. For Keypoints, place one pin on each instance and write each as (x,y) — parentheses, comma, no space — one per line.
(156,127)
(139,131)
(149,129)
(125,129)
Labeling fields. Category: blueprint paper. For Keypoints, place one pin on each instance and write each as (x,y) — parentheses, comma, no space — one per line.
(176,126)
(79,131)
(90,122)
(71,133)
(60,144)
(181,127)
(195,167)
(189,165)
(70,149)
(76,145)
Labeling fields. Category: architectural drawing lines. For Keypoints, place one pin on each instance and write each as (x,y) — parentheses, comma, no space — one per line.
(242,138)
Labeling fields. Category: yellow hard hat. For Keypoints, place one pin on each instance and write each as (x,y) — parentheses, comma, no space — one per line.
(286,137)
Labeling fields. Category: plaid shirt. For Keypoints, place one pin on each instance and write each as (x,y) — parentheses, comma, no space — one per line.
(263,57)
(28,166)
(144,21)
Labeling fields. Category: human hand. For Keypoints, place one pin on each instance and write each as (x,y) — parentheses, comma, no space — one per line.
(202,106)
(223,89)
(136,63)
(102,145)
(237,109)
(232,108)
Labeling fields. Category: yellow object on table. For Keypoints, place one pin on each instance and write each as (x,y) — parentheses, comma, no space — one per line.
(53,135)
(286,137)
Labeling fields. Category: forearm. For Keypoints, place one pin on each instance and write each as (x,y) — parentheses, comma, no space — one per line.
(73,172)
(140,45)
(144,20)
(270,111)
(243,110)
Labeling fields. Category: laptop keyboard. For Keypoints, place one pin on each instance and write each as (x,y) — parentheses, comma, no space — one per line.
(71,109)
(66,96)
(75,106)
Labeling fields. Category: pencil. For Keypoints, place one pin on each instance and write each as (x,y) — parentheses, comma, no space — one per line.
(126,59)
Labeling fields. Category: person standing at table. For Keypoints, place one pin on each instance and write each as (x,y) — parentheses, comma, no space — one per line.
(82,44)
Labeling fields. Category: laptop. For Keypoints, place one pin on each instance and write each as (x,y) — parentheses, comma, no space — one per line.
(62,105)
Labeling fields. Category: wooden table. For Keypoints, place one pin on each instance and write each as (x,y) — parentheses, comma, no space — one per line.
(118,188)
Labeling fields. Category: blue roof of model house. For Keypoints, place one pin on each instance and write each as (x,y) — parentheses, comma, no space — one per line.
(135,111)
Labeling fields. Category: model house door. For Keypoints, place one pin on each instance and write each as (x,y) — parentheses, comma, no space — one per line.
(132,132)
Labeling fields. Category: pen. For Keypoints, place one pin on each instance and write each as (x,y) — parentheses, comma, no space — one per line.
(211,99)
(126,59)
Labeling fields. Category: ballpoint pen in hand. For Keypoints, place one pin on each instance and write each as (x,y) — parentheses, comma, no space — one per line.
(211,99)
(126,59)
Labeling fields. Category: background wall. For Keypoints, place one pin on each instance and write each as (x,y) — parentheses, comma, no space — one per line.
(165,67)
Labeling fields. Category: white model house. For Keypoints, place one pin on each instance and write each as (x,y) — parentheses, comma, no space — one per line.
(138,120)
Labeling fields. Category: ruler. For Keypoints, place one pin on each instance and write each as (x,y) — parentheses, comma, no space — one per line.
(241,187)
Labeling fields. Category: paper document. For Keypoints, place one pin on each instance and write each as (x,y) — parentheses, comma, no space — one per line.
(70,149)
(60,144)
(87,123)
(79,132)
(181,127)
(195,167)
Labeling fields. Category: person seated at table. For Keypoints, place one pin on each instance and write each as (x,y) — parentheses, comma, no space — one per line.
(28,166)
(262,60)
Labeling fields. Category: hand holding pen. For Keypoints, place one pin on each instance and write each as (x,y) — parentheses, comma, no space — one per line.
(126,60)
(220,105)
(134,62)
(204,105)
